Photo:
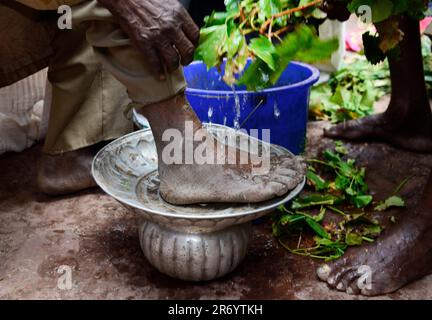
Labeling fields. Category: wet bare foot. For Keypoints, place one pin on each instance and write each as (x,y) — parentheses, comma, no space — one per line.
(229,181)
(415,136)
(66,173)
(226,180)
(403,254)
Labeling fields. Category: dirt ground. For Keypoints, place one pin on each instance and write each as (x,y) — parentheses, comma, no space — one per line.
(98,238)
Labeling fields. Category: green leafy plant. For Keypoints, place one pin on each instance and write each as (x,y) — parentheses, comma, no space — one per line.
(352,91)
(270,32)
(385,15)
(332,214)
(274,32)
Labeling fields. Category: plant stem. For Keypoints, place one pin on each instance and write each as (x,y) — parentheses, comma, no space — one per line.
(322,162)
(336,210)
(280,31)
(402,184)
(287,13)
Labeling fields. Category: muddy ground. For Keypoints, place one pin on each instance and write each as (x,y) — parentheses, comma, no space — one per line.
(98,238)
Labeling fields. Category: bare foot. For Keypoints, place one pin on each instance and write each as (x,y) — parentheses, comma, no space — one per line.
(414,136)
(229,181)
(400,256)
(223,181)
(66,173)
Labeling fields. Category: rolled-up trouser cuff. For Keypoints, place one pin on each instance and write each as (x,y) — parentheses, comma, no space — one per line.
(126,63)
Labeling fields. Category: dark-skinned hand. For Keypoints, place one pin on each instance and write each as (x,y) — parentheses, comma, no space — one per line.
(161,29)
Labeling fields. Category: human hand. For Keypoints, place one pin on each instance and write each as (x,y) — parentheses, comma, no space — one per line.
(161,29)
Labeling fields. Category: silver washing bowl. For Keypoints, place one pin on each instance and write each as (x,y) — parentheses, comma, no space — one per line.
(195,242)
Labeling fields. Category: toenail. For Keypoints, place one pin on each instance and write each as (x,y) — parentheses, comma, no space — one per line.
(339,286)
(323,272)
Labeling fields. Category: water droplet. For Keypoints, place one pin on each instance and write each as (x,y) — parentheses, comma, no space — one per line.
(237,109)
(277,112)
(236,124)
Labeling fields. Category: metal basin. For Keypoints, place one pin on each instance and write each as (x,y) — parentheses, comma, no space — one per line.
(196,242)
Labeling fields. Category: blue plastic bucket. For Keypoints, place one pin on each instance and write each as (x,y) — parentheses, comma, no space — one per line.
(283,108)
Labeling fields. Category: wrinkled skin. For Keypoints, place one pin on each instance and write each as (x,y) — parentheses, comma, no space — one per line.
(162,30)
(167,36)
(407,122)
(399,256)
(223,181)
(404,252)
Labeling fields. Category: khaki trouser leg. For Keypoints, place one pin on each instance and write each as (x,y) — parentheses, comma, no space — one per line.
(113,48)
(87,101)
(88,104)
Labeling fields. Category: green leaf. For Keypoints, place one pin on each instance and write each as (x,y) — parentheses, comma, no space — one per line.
(302,44)
(381,9)
(216,18)
(317,228)
(257,76)
(340,148)
(353,239)
(317,181)
(233,43)
(321,215)
(331,157)
(313,200)
(319,14)
(231,5)
(264,49)
(350,191)
(393,201)
(373,230)
(288,219)
(342,183)
(362,201)
(211,40)
(270,7)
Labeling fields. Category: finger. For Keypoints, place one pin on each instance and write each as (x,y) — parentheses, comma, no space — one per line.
(170,56)
(189,27)
(185,48)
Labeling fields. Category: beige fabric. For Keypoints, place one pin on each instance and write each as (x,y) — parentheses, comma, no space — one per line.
(48,4)
(87,101)
(21,110)
(113,48)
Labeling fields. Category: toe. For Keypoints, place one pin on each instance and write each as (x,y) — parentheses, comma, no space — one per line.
(353,288)
(335,276)
(323,272)
(346,279)
(334,131)
(278,189)
(331,272)
(289,182)
(286,172)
